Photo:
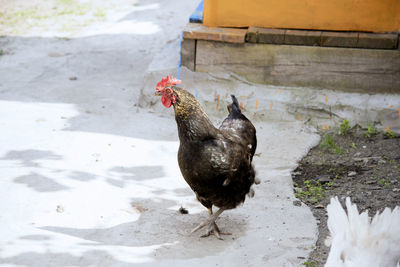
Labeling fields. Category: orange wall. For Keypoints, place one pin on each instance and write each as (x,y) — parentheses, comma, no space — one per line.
(336,15)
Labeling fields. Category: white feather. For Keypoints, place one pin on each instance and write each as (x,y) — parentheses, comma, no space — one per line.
(357,241)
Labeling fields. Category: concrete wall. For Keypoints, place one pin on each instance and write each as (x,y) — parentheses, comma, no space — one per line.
(348,69)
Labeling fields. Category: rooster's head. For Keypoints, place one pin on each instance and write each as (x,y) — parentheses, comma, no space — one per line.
(165,89)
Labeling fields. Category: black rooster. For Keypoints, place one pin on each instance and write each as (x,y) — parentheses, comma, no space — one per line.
(216,163)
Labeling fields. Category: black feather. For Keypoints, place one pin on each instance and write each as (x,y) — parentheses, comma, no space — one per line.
(216,163)
(235,107)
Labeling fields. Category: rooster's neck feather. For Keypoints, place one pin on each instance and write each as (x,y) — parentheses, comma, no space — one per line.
(193,123)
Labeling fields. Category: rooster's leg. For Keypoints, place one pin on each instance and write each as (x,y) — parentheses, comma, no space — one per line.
(213,229)
(212,226)
(210,211)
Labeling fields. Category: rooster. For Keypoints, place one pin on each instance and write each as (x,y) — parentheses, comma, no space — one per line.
(357,241)
(216,163)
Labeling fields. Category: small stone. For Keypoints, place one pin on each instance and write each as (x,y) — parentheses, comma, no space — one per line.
(365,160)
(352,173)
(396,190)
(348,192)
(297,203)
(60,209)
(298,189)
(319,206)
(296,173)
(357,154)
(73,78)
(381,161)
(364,146)
(324,178)
(370,182)
(182,210)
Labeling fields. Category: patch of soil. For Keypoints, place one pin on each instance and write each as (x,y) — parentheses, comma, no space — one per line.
(367,169)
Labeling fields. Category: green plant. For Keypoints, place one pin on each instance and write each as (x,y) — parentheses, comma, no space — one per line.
(353,145)
(390,134)
(311,191)
(310,263)
(328,143)
(371,131)
(344,127)
(99,13)
(331,183)
(384,182)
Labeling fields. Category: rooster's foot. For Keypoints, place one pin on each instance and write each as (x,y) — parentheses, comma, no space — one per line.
(214,230)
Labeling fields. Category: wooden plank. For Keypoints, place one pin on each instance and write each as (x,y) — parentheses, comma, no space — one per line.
(380,41)
(200,32)
(339,39)
(265,36)
(318,38)
(302,37)
(188,53)
(350,69)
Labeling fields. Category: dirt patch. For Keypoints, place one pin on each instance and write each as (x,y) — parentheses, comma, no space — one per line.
(359,163)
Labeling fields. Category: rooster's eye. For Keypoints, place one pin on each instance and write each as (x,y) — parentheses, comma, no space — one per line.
(168,91)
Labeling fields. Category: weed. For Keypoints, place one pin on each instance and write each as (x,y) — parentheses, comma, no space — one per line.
(384,182)
(310,263)
(390,134)
(344,127)
(312,192)
(65,2)
(331,183)
(329,144)
(371,131)
(99,13)
(353,145)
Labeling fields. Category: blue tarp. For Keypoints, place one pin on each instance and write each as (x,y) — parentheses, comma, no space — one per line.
(197,15)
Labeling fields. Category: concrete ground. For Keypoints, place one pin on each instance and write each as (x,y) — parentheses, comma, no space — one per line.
(90,179)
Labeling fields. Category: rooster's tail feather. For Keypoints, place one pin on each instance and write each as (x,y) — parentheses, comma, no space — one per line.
(235,107)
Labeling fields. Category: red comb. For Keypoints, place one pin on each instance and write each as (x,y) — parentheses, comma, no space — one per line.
(167,81)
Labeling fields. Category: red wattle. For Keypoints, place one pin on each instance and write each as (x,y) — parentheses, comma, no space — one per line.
(166,102)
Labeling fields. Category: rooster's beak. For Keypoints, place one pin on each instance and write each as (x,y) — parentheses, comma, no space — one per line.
(158,93)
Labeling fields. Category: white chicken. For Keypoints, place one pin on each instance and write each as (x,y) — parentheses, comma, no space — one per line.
(356,241)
